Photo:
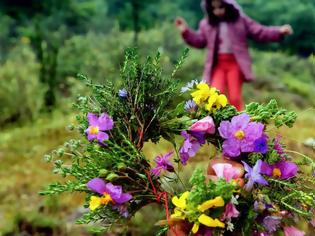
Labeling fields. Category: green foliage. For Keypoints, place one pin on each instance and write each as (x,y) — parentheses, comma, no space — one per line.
(20,91)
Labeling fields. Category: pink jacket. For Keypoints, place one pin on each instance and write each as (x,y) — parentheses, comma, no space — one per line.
(239,32)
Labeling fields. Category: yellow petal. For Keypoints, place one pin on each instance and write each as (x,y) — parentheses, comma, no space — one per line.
(212,99)
(180,202)
(216,202)
(203,86)
(95,202)
(178,215)
(210,222)
(195,228)
(222,100)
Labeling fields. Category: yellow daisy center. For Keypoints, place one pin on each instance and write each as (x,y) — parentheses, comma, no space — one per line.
(239,134)
(94,129)
(276,172)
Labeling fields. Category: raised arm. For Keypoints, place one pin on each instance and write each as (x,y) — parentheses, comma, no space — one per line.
(262,33)
(195,39)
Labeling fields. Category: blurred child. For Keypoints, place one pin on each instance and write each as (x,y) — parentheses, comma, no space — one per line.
(224,32)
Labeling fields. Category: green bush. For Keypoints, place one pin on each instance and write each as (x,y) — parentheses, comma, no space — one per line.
(20,90)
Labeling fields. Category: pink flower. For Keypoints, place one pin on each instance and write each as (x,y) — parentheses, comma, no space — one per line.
(292,231)
(226,171)
(204,125)
(230,211)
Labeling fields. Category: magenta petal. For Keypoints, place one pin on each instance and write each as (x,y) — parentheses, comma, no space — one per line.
(254,131)
(102,136)
(97,185)
(92,118)
(114,191)
(105,122)
(90,136)
(288,169)
(292,231)
(266,169)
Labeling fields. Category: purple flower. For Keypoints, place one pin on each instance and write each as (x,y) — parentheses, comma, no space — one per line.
(254,175)
(271,223)
(97,126)
(240,135)
(163,163)
(292,231)
(261,145)
(122,209)
(189,148)
(190,106)
(113,193)
(230,211)
(278,147)
(282,169)
(122,93)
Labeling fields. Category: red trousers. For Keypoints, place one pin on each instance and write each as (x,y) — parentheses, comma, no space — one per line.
(227,77)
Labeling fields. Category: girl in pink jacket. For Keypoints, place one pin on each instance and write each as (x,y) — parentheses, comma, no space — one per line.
(224,32)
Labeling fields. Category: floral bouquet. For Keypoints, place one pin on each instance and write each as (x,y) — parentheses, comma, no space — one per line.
(253,185)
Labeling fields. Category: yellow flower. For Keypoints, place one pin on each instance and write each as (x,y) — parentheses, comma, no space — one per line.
(221,101)
(95,202)
(202,94)
(181,201)
(211,101)
(216,202)
(210,222)
(195,228)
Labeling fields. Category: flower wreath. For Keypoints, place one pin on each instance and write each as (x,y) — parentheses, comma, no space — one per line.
(252,187)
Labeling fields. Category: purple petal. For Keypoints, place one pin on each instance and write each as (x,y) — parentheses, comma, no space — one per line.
(246,145)
(225,130)
(288,169)
(114,191)
(105,122)
(92,119)
(184,134)
(125,197)
(266,169)
(260,180)
(247,168)
(249,185)
(231,148)
(156,171)
(241,121)
(254,131)
(102,136)
(90,136)
(97,185)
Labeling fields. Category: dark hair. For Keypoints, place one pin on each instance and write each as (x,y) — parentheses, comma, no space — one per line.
(231,13)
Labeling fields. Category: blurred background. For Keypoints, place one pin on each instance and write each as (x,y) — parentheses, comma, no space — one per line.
(44,44)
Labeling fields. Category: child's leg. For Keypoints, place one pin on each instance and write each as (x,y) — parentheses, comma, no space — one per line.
(235,83)
(218,79)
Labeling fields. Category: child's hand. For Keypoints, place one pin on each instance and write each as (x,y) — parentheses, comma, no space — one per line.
(181,24)
(286,30)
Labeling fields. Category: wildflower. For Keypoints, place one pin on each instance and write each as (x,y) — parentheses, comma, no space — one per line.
(278,147)
(163,163)
(188,86)
(190,106)
(261,145)
(240,135)
(205,125)
(292,231)
(254,175)
(122,93)
(189,148)
(226,171)
(98,126)
(110,194)
(282,169)
(230,211)
(271,223)
(180,204)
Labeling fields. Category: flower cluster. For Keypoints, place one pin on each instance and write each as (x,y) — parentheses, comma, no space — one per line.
(252,186)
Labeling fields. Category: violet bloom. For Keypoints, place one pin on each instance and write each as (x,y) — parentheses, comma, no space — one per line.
(271,223)
(122,93)
(278,147)
(254,175)
(261,145)
(163,163)
(109,193)
(292,231)
(282,169)
(240,135)
(190,106)
(189,148)
(97,127)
